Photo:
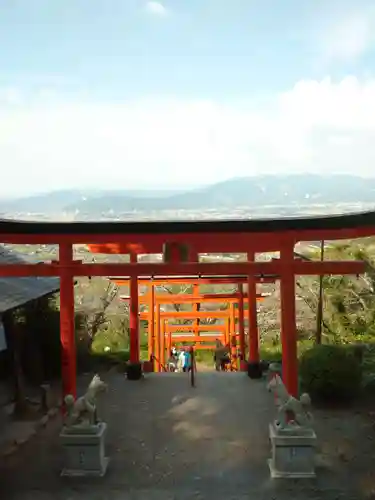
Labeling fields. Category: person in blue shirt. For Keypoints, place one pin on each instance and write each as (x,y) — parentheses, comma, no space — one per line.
(187,362)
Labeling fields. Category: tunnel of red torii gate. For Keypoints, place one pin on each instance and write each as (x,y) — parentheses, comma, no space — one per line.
(182,242)
(162,335)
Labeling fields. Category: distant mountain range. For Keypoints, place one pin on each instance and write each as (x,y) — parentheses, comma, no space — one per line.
(284,190)
(64,200)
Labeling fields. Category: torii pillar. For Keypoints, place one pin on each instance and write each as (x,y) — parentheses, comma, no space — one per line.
(288,320)
(254,367)
(67,323)
(241,327)
(151,321)
(134,368)
(157,338)
(194,257)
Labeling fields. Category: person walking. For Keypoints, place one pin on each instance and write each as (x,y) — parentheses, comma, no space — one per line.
(187,365)
(221,356)
(181,361)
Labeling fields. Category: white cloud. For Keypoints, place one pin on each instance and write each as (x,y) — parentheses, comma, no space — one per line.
(344,35)
(315,126)
(11,96)
(348,39)
(157,9)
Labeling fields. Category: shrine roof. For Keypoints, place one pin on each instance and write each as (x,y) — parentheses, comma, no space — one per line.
(320,222)
(15,292)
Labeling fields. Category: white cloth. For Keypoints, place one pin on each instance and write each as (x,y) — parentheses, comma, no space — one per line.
(181,361)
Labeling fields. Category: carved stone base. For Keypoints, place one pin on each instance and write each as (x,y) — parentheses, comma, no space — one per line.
(134,371)
(254,370)
(293,453)
(84,453)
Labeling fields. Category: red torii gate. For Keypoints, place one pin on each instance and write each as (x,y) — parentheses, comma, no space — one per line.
(229,236)
(239,280)
(152,300)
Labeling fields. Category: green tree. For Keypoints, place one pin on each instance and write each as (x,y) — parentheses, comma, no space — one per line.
(348,301)
(94,300)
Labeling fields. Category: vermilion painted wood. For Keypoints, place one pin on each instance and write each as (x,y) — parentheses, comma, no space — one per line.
(151,321)
(201,237)
(252,316)
(196,338)
(206,328)
(175,280)
(180,298)
(133,324)
(288,322)
(241,323)
(209,242)
(297,267)
(204,347)
(189,314)
(67,326)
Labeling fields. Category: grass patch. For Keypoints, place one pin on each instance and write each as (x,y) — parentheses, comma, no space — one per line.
(270,353)
(205,357)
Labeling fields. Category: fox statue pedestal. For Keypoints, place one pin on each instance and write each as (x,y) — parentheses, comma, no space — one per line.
(84,451)
(293,453)
(83,436)
(291,434)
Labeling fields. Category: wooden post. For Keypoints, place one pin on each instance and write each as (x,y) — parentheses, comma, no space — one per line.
(151,322)
(157,338)
(133,316)
(67,326)
(196,308)
(194,257)
(288,320)
(233,338)
(162,345)
(241,322)
(252,315)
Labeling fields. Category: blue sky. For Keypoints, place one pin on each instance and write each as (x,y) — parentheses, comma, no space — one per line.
(137,93)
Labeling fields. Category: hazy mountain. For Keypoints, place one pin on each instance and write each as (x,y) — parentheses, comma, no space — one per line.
(59,201)
(286,190)
(251,191)
(54,201)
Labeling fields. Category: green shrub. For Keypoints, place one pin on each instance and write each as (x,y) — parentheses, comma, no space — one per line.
(330,372)
(271,354)
(122,356)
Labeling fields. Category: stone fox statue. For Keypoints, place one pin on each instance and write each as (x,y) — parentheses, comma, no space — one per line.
(287,405)
(82,411)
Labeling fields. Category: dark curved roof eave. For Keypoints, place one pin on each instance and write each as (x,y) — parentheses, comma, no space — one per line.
(321,222)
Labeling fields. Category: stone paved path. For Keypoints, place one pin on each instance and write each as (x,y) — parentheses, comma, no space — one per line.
(169,440)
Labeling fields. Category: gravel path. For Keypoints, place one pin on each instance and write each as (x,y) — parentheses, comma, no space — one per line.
(169,440)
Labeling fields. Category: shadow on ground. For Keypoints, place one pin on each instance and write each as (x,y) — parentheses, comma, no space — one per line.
(169,440)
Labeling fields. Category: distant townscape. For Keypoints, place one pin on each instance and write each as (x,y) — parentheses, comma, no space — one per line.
(250,197)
